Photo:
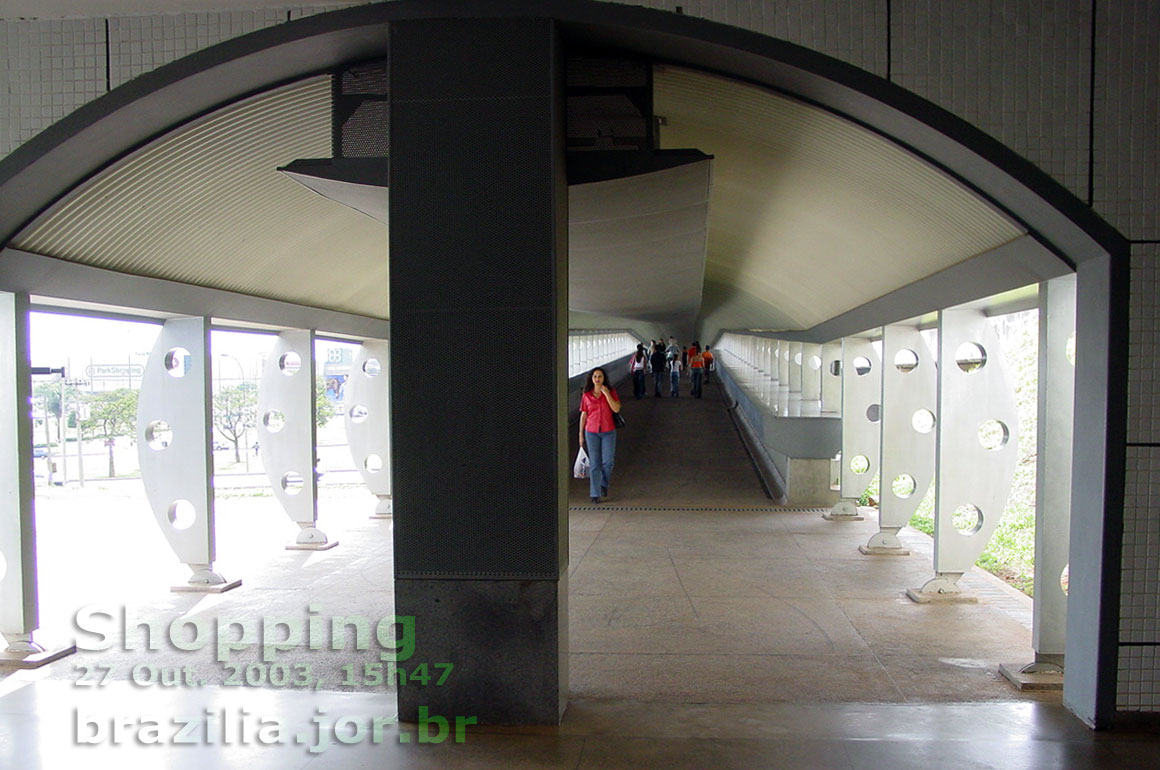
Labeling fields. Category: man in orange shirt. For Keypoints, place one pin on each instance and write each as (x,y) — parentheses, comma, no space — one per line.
(708,356)
(696,368)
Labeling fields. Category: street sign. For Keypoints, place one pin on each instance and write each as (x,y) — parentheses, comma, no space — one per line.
(114,371)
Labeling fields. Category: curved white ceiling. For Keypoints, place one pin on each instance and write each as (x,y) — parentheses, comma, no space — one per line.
(205,204)
(811,213)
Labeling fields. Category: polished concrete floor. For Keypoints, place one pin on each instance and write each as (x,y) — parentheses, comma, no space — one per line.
(708,630)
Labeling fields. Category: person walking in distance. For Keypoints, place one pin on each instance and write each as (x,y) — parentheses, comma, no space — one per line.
(598,431)
(637,367)
(708,356)
(696,369)
(658,367)
(675,376)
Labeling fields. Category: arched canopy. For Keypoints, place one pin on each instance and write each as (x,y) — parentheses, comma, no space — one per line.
(838,200)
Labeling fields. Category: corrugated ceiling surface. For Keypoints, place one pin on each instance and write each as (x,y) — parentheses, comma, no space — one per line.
(205,205)
(810,212)
(636,246)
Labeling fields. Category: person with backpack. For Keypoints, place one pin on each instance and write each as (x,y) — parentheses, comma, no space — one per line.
(658,367)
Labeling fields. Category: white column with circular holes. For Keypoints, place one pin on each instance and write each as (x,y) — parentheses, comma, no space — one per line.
(909,401)
(174,432)
(367,416)
(287,434)
(977,439)
(861,401)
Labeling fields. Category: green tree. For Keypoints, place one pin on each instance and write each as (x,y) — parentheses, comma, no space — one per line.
(324,408)
(235,413)
(112,413)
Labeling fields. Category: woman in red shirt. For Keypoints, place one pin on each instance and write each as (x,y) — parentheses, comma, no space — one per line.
(598,431)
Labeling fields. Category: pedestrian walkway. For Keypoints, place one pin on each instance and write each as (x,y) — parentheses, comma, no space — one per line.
(708,628)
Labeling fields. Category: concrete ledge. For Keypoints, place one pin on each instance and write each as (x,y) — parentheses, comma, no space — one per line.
(30,660)
(220,588)
(934,597)
(316,546)
(880,551)
(1047,680)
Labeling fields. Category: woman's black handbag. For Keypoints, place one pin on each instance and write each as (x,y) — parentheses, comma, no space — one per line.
(617,420)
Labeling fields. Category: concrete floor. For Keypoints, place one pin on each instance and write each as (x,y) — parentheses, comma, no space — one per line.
(708,629)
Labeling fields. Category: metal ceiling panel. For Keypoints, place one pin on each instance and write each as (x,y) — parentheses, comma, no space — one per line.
(204,204)
(811,213)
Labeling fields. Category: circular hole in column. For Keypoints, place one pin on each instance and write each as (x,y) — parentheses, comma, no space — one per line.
(1069,349)
(836,367)
(797,358)
(371,367)
(861,365)
(359,413)
(373,463)
(874,412)
(290,363)
(182,514)
(786,356)
(906,360)
(178,361)
(859,464)
(1064,581)
(274,420)
(994,435)
(967,519)
(292,482)
(922,421)
(158,435)
(815,363)
(970,357)
(903,485)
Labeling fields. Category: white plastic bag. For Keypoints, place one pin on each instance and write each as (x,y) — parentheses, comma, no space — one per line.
(580,469)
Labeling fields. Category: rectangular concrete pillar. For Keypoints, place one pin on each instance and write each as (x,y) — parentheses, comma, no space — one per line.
(18,598)
(478,286)
(1097,489)
(1053,465)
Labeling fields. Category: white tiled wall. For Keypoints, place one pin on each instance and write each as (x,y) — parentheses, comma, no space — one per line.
(47,70)
(138,44)
(1127,117)
(1017,69)
(853,31)
(1144,346)
(1139,675)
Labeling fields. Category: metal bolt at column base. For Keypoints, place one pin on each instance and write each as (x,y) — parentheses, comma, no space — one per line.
(1043,673)
(24,653)
(844,510)
(311,539)
(205,581)
(884,543)
(385,508)
(943,588)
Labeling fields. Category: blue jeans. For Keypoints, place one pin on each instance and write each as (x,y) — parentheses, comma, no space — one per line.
(657,378)
(601,455)
(638,384)
(696,375)
(675,379)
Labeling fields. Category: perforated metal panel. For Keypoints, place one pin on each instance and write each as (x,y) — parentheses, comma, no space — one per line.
(362,110)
